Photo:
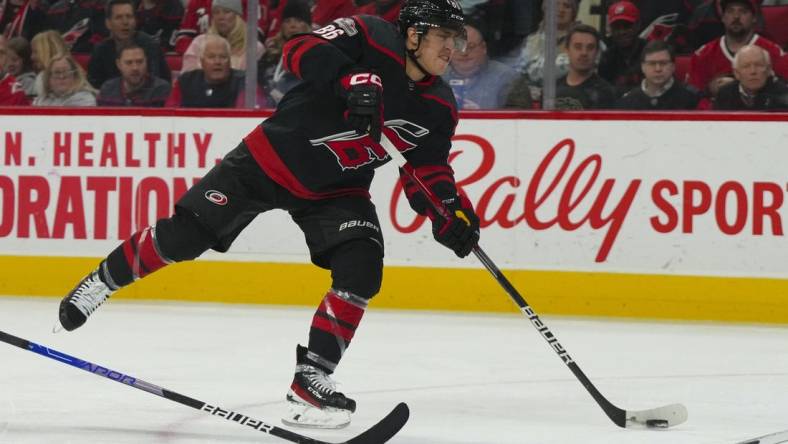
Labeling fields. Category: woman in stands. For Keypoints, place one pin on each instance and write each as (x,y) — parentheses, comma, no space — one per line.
(226,21)
(65,84)
(44,46)
(20,65)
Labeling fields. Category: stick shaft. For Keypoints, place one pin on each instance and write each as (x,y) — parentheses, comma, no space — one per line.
(154,389)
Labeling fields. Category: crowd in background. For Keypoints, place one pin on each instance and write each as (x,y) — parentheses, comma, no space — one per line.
(640,55)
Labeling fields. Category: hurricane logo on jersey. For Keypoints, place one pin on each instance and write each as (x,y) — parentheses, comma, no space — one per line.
(354,151)
(216,197)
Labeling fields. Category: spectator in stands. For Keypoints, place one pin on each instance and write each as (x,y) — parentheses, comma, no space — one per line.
(80,22)
(65,84)
(19,64)
(327,11)
(197,20)
(529,57)
(710,66)
(226,22)
(477,81)
(134,87)
(271,75)
(160,19)
(387,9)
(582,88)
(755,87)
(11,92)
(22,18)
(659,90)
(620,63)
(215,85)
(44,46)
(122,27)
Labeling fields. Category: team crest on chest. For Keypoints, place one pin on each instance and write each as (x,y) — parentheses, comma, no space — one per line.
(353,151)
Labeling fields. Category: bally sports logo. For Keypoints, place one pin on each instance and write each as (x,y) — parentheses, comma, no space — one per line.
(216,197)
(568,193)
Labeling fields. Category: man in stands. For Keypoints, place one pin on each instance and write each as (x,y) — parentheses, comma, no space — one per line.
(122,26)
(160,19)
(755,87)
(659,89)
(711,65)
(477,81)
(80,22)
(11,91)
(620,63)
(134,87)
(582,88)
(216,85)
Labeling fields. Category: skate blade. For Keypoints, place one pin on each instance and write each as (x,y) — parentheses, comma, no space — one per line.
(309,416)
(58,327)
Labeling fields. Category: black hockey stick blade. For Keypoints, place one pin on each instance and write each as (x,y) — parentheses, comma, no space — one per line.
(386,428)
(772,438)
(379,433)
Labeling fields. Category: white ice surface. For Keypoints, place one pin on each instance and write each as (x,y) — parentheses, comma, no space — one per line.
(467,378)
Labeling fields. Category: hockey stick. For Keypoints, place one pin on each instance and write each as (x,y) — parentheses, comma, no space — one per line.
(662,417)
(772,438)
(381,432)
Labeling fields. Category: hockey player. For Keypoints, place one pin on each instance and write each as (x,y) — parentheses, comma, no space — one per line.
(315,157)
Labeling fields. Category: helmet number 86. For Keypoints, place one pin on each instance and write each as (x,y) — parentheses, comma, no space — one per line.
(329,32)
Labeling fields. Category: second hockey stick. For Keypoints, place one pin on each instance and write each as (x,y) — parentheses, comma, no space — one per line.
(660,417)
(381,432)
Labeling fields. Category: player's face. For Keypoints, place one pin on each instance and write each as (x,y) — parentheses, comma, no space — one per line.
(752,70)
(582,51)
(121,23)
(658,68)
(738,19)
(133,66)
(223,19)
(436,49)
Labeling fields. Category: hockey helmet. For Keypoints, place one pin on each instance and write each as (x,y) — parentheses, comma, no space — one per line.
(425,14)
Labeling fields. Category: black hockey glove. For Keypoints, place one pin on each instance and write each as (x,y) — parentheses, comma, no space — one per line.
(363,93)
(460,232)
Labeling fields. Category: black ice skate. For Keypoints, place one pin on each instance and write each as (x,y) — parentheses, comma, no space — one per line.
(313,400)
(83,300)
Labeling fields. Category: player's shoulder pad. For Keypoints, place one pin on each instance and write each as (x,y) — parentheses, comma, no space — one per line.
(439,92)
(379,32)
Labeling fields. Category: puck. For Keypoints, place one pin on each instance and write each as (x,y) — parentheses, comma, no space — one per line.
(657,423)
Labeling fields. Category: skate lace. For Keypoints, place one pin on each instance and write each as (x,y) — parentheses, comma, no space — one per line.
(320,380)
(90,294)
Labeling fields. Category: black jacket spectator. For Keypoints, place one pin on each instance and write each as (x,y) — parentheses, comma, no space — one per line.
(102,61)
(772,97)
(593,93)
(153,94)
(621,66)
(81,22)
(192,91)
(676,96)
(160,21)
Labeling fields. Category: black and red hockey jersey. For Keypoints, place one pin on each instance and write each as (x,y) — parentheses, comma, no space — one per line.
(306,146)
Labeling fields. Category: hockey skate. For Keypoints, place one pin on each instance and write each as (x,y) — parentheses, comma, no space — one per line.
(313,401)
(83,300)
